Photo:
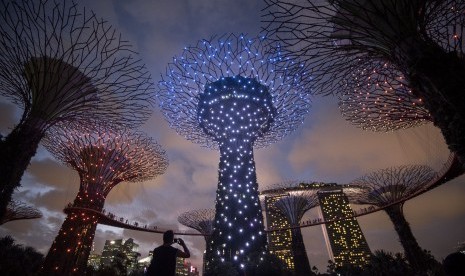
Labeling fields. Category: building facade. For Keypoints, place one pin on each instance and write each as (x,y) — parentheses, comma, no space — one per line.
(344,238)
(126,250)
(279,242)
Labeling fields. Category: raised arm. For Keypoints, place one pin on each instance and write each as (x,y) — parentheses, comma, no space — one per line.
(186,253)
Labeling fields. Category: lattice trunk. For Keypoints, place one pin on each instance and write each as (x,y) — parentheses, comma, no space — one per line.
(16,152)
(238,221)
(438,78)
(69,252)
(301,263)
(413,252)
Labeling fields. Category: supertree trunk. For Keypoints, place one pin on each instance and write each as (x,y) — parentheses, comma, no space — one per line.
(16,152)
(301,263)
(438,78)
(75,238)
(413,252)
(238,220)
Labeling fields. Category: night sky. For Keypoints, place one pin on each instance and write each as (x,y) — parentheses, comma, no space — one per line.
(325,148)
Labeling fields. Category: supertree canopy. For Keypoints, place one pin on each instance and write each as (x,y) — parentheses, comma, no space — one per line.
(102,159)
(390,188)
(18,210)
(227,95)
(60,63)
(347,44)
(293,206)
(380,99)
(200,220)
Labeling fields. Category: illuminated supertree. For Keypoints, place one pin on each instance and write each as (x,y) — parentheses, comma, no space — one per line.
(17,210)
(102,159)
(202,221)
(293,206)
(60,63)
(226,94)
(391,187)
(374,102)
(346,44)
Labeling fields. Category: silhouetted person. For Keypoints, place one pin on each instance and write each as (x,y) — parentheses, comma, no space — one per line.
(164,256)
(454,264)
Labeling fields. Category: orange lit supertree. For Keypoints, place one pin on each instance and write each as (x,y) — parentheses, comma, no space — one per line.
(102,159)
(202,221)
(17,210)
(61,63)
(347,43)
(389,188)
(293,204)
(372,101)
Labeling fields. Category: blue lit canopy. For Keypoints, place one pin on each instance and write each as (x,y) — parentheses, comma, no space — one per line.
(230,58)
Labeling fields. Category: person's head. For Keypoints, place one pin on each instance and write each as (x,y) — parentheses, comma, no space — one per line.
(168,236)
(454,264)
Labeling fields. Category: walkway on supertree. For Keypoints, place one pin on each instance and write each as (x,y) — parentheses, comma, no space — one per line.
(227,94)
(451,169)
(103,158)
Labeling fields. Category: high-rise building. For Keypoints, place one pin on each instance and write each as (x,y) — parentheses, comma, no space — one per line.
(94,261)
(126,249)
(279,242)
(344,238)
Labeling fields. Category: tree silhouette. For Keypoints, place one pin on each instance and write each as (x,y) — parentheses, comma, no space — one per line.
(15,259)
(59,63)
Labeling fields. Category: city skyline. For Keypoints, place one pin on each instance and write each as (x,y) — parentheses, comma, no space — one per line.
(325,148)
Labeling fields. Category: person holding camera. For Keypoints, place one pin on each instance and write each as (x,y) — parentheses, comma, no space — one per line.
(164,257)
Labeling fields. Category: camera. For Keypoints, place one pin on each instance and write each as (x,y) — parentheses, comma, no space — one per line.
(176,240)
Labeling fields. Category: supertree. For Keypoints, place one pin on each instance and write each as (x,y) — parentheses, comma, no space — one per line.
(389,188)
(17,210)
(226,94)
(200,220)
(60,63)
(293,206)
(102,159)
(346,43)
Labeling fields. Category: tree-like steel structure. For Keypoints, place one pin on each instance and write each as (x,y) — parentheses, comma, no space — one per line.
(102,159)
(60,63)
(17,210)
(374,102)
(364,48)
(390,188)
(202,221)
(293,206)
(226,94)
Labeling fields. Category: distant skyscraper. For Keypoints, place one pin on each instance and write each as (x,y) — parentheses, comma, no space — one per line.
(279,242)
(94,261)
(345,240)
(127,249)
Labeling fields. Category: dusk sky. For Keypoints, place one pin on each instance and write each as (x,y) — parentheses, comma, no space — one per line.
(325,148)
